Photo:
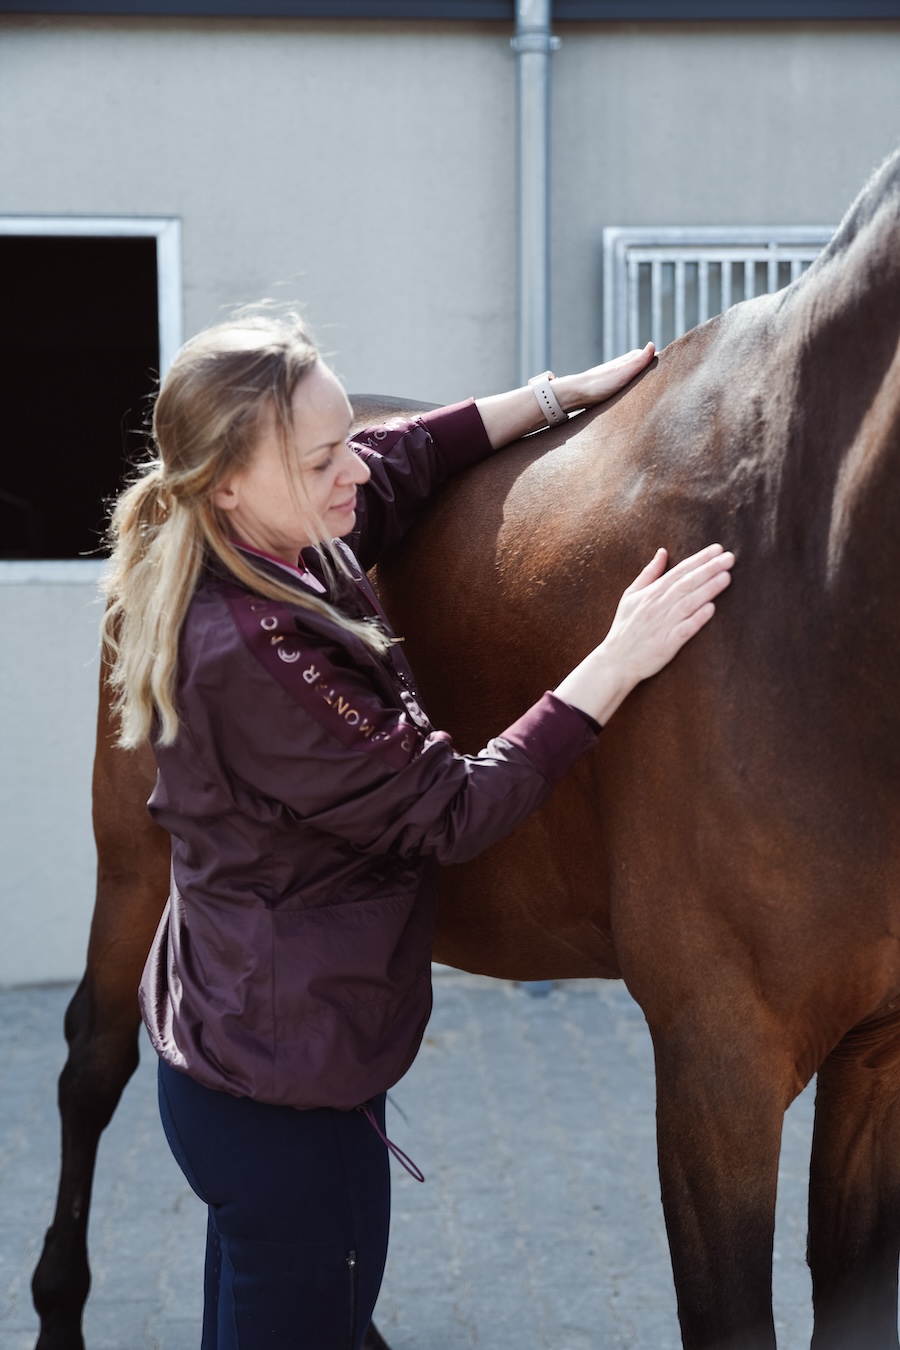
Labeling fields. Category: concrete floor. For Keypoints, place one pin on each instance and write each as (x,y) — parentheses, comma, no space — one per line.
(539,1224)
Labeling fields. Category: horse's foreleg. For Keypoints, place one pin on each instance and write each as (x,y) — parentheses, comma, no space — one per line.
(854,1198)
(101,1027)
(719,1118)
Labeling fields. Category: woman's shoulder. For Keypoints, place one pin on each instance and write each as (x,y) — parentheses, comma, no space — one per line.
(210,643)
(229,662)
(223,611)
(228,622)
(245,652)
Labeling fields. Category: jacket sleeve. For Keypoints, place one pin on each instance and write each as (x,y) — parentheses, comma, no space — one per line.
(303,727)
(408,461)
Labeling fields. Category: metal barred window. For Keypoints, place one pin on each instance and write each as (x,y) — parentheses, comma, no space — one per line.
(660,281)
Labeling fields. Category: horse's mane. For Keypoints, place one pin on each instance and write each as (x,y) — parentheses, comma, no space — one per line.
(881,194)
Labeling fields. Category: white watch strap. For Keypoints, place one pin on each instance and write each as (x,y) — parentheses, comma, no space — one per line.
(548,403)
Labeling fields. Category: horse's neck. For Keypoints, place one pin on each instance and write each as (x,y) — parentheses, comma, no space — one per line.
(843,347)
(835,361)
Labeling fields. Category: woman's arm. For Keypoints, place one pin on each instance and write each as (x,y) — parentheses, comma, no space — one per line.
(349,762)
(508,416)
(409,459)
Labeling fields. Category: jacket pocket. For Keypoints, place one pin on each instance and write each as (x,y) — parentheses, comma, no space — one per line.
(351,994)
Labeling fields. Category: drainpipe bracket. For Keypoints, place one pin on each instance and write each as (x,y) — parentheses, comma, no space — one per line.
(535,42)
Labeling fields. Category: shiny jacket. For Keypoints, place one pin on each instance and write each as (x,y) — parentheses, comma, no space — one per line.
(309,800)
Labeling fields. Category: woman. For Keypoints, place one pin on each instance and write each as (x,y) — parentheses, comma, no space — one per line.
(308,797)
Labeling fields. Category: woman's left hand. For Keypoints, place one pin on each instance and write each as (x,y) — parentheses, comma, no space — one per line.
(508,416)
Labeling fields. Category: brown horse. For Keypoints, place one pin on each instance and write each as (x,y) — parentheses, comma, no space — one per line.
(732,846)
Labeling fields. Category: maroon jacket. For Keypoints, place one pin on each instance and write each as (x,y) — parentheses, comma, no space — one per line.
(309,801)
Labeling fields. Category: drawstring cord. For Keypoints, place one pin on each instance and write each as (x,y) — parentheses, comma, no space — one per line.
(403,1158)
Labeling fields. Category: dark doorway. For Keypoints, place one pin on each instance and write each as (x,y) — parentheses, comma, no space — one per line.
(79,347)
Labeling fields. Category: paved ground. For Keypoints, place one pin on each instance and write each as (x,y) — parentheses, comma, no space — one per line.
(539,1225)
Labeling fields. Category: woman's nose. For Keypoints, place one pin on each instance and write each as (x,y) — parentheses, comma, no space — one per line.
(354,469)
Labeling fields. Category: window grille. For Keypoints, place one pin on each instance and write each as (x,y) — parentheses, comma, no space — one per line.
(659,282)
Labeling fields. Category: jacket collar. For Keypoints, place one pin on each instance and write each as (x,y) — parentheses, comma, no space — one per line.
(354,597)
(271,564)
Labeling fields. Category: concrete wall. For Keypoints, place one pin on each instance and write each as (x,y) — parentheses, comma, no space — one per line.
(48,708)
(707,124)
(366,171)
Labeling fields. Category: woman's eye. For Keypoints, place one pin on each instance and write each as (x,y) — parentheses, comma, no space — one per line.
(323,464)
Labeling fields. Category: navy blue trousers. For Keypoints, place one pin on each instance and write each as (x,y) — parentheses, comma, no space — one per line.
(299,1208)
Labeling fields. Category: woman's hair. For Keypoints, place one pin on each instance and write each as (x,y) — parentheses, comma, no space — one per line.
(207,421)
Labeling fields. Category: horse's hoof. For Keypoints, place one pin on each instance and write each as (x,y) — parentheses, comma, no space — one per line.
(59,1338)
(59,1290)
(373,1339)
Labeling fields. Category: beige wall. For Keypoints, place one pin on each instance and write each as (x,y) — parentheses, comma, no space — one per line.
(368,172)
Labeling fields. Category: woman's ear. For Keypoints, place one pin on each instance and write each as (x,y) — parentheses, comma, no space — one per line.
(226,495)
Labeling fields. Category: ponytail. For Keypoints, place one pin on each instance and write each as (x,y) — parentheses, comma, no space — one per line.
(156,563)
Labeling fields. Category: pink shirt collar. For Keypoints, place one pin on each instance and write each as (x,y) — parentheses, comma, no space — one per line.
(300,572)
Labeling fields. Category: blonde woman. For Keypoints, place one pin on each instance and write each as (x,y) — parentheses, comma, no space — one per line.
(309,798)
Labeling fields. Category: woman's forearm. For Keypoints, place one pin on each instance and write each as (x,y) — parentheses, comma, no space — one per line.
(508,416)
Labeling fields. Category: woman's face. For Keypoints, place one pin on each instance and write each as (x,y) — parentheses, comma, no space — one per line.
(281,507)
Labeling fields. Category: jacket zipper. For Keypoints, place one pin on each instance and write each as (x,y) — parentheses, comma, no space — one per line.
(352,1271)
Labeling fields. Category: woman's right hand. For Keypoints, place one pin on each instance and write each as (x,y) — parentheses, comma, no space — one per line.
(658,613)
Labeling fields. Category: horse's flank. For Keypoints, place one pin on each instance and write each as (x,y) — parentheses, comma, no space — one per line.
(773,429)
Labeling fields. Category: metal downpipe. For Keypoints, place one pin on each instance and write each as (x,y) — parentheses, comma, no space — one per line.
(533,44)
